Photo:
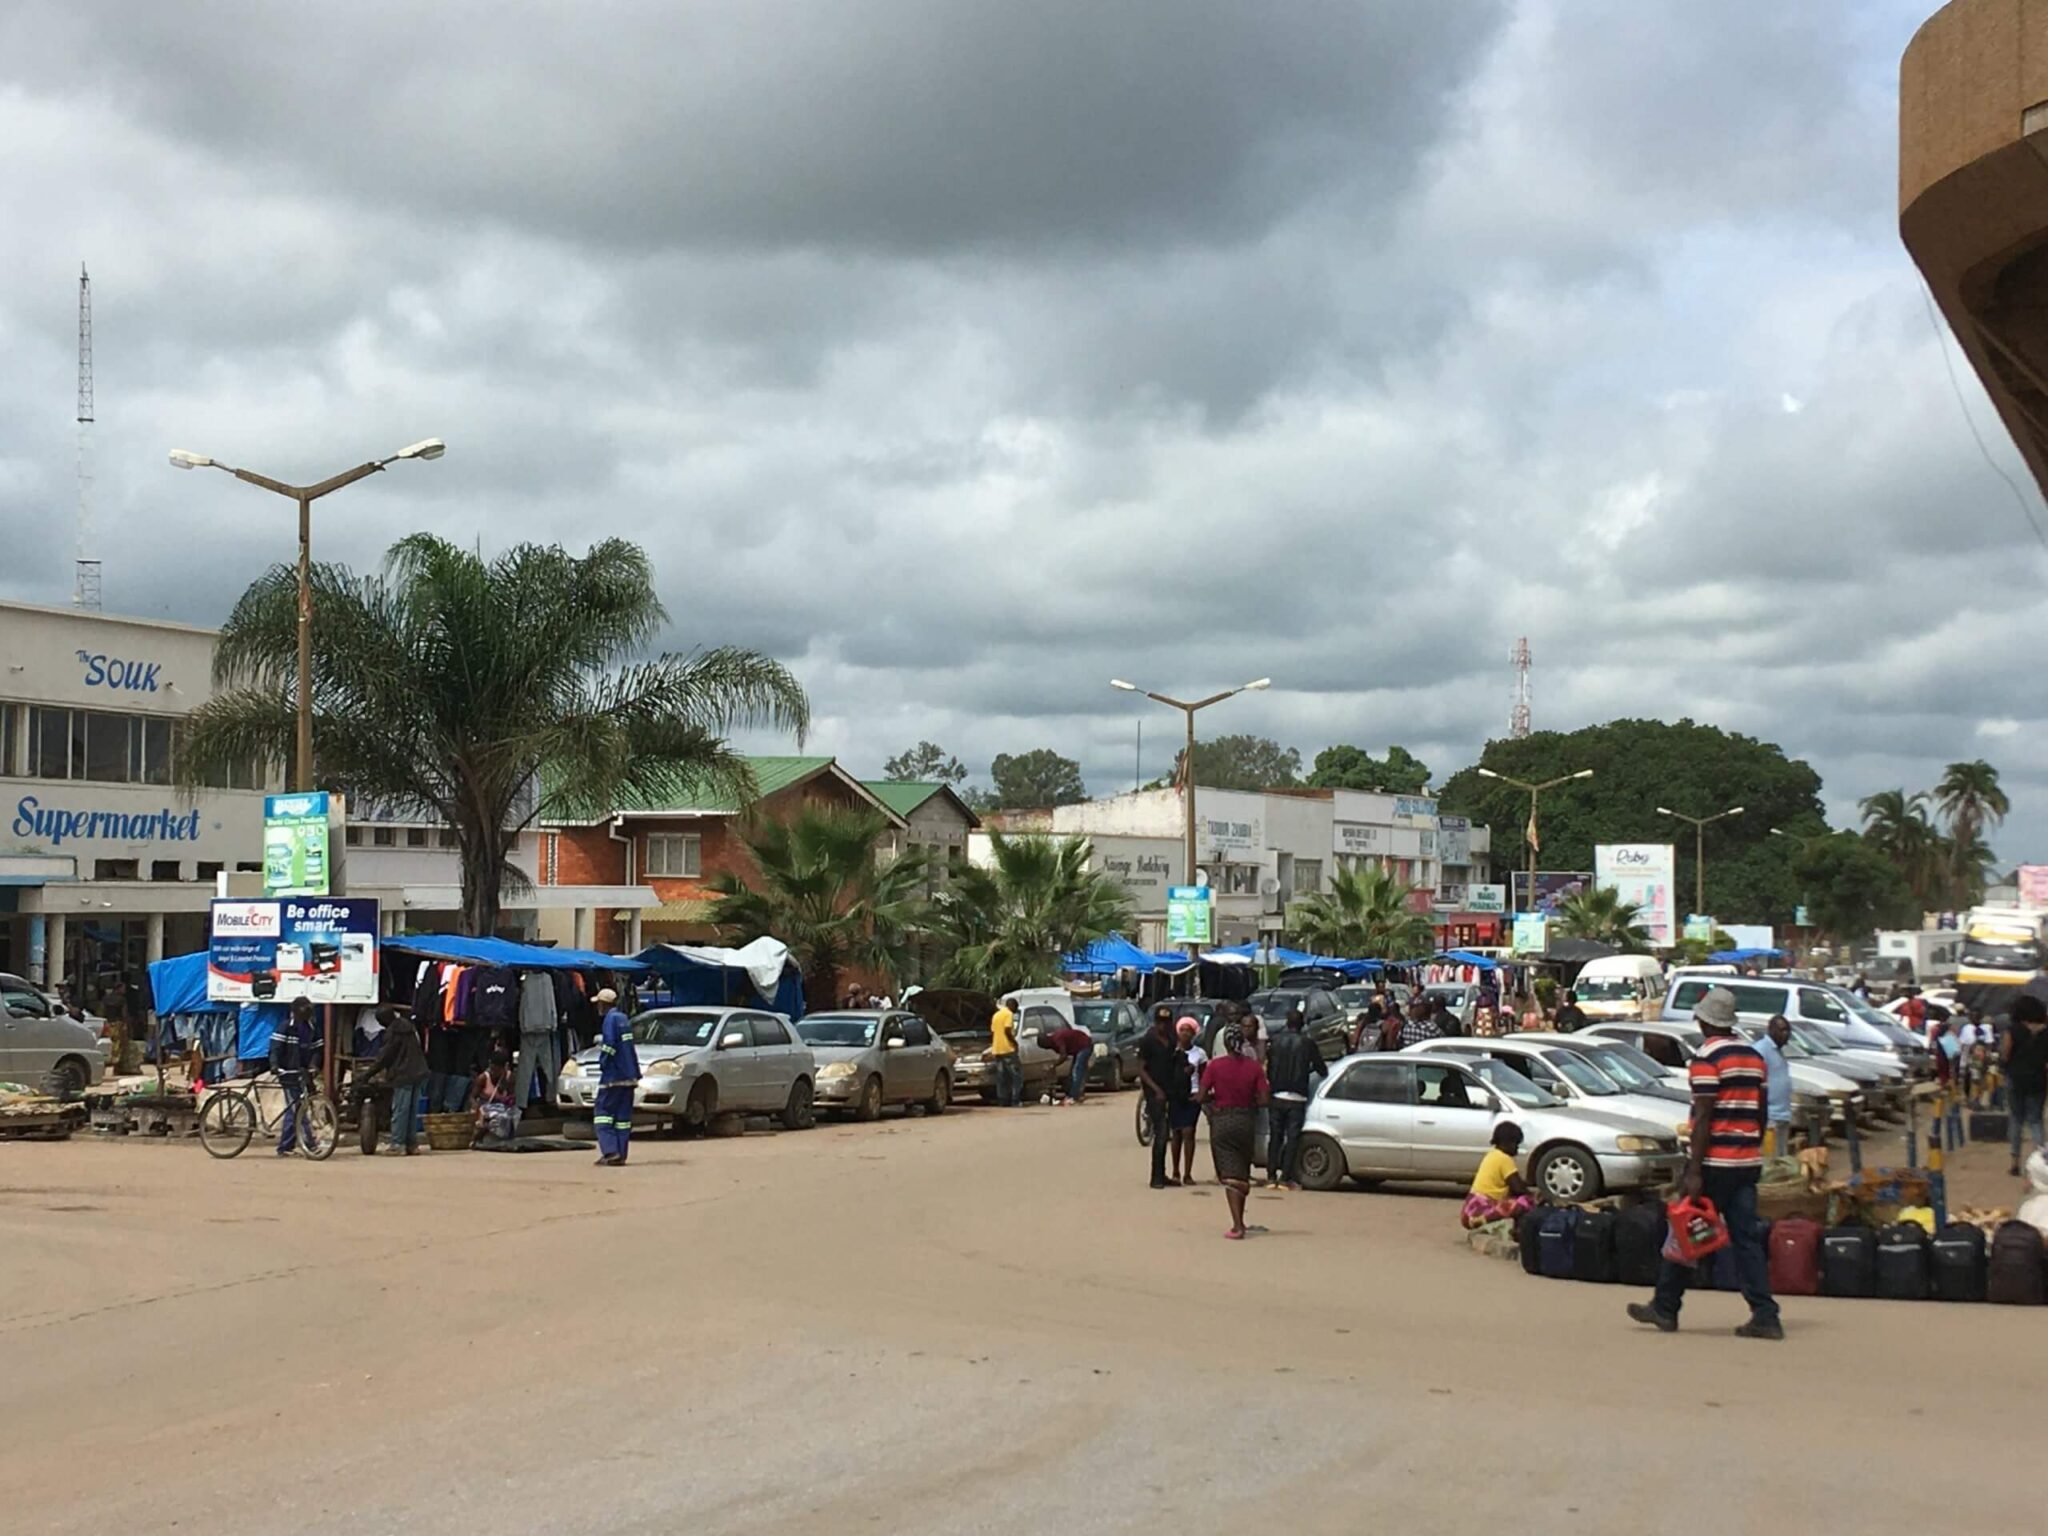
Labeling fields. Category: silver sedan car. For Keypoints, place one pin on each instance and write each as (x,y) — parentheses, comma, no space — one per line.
(869,1057)
(699,1063)
(43,1047)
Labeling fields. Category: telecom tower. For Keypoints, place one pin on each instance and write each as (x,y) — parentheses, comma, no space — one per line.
(85,590)
(1518,721)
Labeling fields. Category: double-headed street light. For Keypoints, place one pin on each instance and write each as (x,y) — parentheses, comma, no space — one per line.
(1187,762)
(305,496)
(1529,832)
(1699,856)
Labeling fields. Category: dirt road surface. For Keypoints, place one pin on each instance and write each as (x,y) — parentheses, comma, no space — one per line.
(983,1322)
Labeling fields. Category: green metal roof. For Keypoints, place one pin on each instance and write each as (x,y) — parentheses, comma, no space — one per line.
(901,795)
(770,775)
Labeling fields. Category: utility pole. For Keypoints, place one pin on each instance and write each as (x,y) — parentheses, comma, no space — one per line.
(1518,717)
(1699,851)
(1530,834)
(85,580)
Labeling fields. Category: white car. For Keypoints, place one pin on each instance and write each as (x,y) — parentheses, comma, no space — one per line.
(1421,1116)
(1568,1075)
(43,1047)
(1668,1043)
(699,1063)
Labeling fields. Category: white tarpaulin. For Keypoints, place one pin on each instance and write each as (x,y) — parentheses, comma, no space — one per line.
(762,960)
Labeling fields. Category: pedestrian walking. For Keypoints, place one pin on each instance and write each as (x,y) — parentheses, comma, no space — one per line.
(1234,1089)
(1969,1038)
(618,1074)
(1570,1015)
(1391,1028)
(295,1048)
(1421,1025)
(401,1067)
(1723,1163)
(1162,1069)
(1002,1051)
(1777,1084)
(2024,1056)
(1293,1064)
(1075,1048)
(1184,1113)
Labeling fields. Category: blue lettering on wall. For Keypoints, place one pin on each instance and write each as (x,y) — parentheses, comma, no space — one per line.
(104,671)
(32,819)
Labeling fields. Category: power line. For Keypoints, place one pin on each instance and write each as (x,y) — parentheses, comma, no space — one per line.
(1955,386)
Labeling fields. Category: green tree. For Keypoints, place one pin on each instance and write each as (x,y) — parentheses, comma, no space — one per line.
(1970,797)
(1850,887)
(1242,762)
(1034,780)
(1343,767)
(824,890)
(1601,915)
(925,763)
(485,693)
(1009,923)
(1365,915)
(1895,824)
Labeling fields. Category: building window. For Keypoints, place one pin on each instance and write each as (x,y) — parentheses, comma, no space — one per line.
(673,854)
(206,869)
(384,837)
(1308,876)
(415,837)
(10,738)
(114,869)
(446,838)
(247,867)
(49,743)
(151,744)
(351,837)
(164,869)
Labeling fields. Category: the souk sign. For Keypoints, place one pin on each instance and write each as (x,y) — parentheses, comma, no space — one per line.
(56,825)
(118,673)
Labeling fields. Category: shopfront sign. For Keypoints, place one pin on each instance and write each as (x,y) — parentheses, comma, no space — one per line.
(1358,838)
(1486,898)
(296,840)
(1454,839)
(276,951)
(1698,929)
(55,825)
(1190,915)
(119,674)
(1143,866)
(1224,834)
(1531,935)
(1414,811)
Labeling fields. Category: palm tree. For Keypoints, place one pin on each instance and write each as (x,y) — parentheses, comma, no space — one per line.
(487,694)
(1970,796)
(1602,915)
(1896,825)
(824,891)
(1009,923)
(1973,863)
(1365,916)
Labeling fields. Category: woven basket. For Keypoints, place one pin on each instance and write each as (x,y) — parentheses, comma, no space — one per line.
(450,1133)
(1774,1202)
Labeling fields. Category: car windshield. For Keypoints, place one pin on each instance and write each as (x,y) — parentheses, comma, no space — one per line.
(1652,1070)
(1274,1005)
(1610,1060)
(1096,1017)
(836,1029)
(1354,997)
(1606,989)
(1876,1018)
(677,1028)
(1815,1040)
(1581,1073)
(1511,1084)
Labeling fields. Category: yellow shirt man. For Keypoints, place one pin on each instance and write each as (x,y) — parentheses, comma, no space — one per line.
(1002,1027)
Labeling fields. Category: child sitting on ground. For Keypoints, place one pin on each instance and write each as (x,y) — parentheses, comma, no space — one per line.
(1498,1190)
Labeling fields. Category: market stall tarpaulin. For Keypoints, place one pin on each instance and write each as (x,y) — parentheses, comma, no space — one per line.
(324,950)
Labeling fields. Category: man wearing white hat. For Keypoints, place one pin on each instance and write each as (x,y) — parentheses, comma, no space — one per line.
(618,1074)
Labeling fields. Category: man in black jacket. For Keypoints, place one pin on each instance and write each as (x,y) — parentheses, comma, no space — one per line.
(1293,1061)
(400,1069)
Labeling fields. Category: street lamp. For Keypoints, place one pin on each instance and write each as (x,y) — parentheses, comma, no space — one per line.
(305,496)
(1187,762)
(1529,832)
(1699,854)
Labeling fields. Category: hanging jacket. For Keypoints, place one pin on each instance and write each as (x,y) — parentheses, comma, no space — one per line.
(494,998)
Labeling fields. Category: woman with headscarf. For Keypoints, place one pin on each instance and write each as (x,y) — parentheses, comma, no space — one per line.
(1185,1113)
(1234,1088)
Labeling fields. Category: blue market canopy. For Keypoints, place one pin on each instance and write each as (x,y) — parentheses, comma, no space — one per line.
(1295,960)
(1105,957)
(178,985)
(463,950)
(1738,956)
(1466,957)
(757,975)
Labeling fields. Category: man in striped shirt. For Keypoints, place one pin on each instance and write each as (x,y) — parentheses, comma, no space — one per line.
(1728,1102)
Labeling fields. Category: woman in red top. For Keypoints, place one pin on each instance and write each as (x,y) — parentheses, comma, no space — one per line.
(1233,1090)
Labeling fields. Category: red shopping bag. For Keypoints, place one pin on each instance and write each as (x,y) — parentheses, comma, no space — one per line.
(1696,1230)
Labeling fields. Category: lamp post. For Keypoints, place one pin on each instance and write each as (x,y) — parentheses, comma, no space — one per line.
(1187,762)
(1699,852)
(305,496)
(1529,833)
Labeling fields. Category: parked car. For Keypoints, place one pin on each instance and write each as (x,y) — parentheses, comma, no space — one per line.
(696,1063)
(1327,1023)
(41,1046)
(1633,1072)
(1116,1025)
(869,1057)
(960,1017)
(1675,1045)
(1758,998)
(1620,987)
(1675,1079)
(1566,1074)
(1431,1116)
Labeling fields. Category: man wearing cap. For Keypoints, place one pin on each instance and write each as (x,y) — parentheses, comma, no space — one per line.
(1724,1162)
(618,1074)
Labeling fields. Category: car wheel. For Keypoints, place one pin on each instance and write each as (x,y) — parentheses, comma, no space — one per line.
(1116,1074)
(869,1105)
(1319,1162)
(69,1078)
(799,1114)
(702,1105)
(1567,1174)
(942,1095)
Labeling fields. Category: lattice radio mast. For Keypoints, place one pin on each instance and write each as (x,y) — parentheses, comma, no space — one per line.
(1518,719)
(85,590)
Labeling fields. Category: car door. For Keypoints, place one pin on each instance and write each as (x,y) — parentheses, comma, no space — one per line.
(26,1052)
(772,1064)
(902,1066)
(1370,1110)
(1453,1121)
(739,1069)
(924,1056)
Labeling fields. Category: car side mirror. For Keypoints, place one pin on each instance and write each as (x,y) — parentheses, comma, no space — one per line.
(894,1042)
(731,1040)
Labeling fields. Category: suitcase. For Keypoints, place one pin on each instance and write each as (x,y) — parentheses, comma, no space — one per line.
(1848,1262)
(1956,1262)
(1593,1248)
(1555,1240)
(2017,1274)
(1794,1248)
(1902,1262)
(1526,1239)
(1638,1243)
(1989,1125)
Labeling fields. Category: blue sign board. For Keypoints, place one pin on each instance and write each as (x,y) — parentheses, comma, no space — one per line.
(323,949)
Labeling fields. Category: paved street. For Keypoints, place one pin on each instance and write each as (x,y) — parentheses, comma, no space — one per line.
(984,1322)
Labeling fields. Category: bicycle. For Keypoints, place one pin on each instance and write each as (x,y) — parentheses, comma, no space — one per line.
(234,1113)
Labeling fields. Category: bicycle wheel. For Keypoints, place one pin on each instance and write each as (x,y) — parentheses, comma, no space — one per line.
(227,1122)
(319,1127)
(1144,1124)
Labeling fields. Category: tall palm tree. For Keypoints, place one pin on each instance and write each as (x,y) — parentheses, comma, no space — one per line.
(1971,798)
(1602,915)
(1896,825)
(824,891)
(1009,923)
(485,693)
(1365,915)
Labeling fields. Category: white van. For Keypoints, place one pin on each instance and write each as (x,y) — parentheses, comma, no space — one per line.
(1621,988)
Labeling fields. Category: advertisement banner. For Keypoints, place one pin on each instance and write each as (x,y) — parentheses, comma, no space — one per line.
(1552,887)
(1454,839)
(1486,898)
(1143,866)
(295,845)
(1189,915)
(1531,935)
(275,951)
(1698,928)
(1642,874)
(2033,883)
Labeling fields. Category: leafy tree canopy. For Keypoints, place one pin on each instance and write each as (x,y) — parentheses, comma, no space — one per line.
(1242,762)
(1342,767)
(1030,781)
(925,763)
(1366,914)
(1850,887)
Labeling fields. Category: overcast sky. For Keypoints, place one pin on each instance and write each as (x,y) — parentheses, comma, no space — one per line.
(965,355)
